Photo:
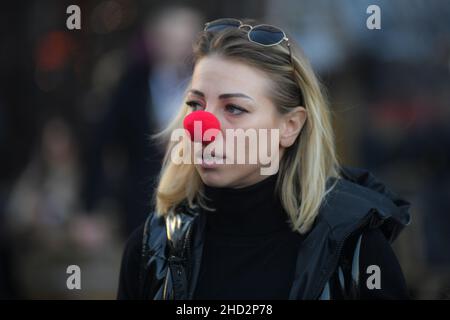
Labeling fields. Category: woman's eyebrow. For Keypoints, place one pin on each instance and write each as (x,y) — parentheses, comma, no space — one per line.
(223,95)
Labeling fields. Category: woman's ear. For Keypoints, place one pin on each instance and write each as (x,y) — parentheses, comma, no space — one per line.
(292,124)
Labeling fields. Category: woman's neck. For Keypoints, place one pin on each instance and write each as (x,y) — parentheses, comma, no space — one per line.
(253,210)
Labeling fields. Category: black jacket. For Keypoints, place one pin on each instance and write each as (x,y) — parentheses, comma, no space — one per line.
(328,260)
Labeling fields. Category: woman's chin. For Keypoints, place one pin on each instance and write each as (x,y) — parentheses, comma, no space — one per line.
(212,177)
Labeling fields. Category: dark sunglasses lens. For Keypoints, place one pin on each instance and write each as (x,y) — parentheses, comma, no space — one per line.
(222,24)
(266,35)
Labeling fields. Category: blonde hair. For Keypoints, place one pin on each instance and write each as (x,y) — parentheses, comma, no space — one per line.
(309,162)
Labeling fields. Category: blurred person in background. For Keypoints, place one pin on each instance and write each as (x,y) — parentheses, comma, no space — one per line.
(47,229)
(145,100)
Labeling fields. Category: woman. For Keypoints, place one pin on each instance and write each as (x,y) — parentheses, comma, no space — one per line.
(311,230)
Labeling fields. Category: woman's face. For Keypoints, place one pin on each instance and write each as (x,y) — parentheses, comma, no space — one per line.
(237,95)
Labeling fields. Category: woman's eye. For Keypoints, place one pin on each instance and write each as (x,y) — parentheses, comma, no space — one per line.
(194,105)
(234,110)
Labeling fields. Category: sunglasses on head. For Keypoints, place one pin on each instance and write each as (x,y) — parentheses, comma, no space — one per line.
(262,34)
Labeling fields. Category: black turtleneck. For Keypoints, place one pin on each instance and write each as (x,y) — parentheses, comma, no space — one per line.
(250,250)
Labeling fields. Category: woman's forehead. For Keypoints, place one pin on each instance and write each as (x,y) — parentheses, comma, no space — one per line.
(215,75)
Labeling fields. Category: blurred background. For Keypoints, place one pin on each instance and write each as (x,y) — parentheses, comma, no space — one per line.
(77,168)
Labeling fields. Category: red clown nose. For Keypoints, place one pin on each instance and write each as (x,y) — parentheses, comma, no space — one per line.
(198,122)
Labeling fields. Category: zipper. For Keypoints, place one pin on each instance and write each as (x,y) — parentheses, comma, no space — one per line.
(180,264)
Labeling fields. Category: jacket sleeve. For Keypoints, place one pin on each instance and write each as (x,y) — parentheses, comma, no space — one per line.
(129,270)
(381,276)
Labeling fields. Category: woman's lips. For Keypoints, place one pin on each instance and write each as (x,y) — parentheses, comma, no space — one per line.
(211,161)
